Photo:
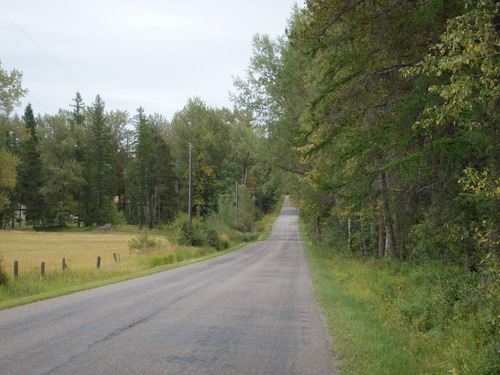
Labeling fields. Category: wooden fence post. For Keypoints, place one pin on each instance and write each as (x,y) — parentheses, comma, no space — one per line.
(16,268)
(98,262)
(64,264)
(42,268)
(114,256)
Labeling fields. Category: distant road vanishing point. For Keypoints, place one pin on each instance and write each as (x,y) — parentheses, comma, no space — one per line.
(248,312)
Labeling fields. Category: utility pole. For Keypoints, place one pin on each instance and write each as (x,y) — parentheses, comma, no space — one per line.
(236,202)
(190,199)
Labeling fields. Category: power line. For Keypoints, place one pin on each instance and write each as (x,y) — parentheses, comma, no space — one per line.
(40,104)
(48,54)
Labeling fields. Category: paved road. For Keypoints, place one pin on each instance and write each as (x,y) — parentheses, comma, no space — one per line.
(248,312)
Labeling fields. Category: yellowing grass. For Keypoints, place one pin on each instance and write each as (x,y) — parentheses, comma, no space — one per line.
(80,249)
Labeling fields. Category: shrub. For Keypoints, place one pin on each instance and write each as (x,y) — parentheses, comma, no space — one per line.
(143,244)
(199,232)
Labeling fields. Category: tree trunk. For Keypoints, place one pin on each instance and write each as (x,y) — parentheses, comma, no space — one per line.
(317,225)
(381,236)
(349,239)
(389,229)
(150,211)
(364,246)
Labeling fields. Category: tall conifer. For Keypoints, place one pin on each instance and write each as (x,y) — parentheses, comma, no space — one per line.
(29,171)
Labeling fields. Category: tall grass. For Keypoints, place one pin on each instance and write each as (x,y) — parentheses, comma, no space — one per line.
(392,317)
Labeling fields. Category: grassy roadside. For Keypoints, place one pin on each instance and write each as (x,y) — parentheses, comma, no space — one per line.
(389,317)
(62,283)
(361,342)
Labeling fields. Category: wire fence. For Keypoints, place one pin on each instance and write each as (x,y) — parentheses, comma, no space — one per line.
(44,267)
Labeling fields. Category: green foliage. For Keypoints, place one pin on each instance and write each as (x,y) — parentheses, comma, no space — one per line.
(226,209)
(97,194)
(10,90)
(117,216)
(185,233)
(29,179)
(12,132)
(161,260)
(409,317)
(392,111)
(90,158)
(362,341)
(149,180)
(3,275)
(209,232)
(143,244)
(62,173)
(246,213)
(8,163)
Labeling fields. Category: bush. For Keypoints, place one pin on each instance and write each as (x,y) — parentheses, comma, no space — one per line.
(199,232)
(143,244)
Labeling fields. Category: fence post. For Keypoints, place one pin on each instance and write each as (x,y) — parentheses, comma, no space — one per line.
(16,268)
(114,256)
(64,264)
(42,268)
(98,262)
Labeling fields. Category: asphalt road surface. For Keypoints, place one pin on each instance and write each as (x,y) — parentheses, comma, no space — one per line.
(248,312)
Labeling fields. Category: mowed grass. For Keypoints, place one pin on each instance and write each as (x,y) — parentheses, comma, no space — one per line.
(80,249)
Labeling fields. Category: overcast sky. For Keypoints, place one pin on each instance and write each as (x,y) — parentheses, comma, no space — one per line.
(150,53)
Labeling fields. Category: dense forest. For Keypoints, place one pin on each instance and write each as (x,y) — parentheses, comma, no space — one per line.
(381,117)
(96,167)
(388,114)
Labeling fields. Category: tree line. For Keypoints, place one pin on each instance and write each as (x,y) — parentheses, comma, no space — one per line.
(382,119)
(388,115)
(94,167)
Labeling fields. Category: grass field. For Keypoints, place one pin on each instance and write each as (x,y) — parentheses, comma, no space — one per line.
(80,249)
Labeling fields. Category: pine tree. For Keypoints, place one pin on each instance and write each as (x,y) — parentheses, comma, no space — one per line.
(29,171)
(98,193)
(150,176)
(77,123)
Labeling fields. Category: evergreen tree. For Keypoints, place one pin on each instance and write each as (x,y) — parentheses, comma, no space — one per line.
(77,127)
(99,152)
(149,175)
(29,171)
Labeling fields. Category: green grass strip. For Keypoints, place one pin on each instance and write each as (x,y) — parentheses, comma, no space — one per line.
(362,343)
